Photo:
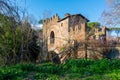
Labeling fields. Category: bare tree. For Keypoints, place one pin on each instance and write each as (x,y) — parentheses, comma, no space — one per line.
(110,16)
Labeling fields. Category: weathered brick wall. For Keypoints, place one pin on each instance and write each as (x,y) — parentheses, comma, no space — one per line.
(77,27)
(60,33)
(69,28)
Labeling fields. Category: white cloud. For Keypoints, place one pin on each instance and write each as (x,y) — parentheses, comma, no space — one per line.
(37,26)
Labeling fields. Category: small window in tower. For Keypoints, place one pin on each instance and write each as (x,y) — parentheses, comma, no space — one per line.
(61,24)
(52,37)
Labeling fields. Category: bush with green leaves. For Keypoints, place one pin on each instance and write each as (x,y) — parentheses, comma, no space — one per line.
(73,69)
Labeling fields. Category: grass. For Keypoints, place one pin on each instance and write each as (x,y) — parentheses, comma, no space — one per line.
(80,69)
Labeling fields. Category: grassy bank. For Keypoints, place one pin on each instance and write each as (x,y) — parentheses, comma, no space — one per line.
(73,70)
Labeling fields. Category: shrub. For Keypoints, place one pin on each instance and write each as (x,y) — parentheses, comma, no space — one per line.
(75,69)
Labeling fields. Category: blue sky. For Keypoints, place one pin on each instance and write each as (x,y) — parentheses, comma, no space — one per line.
(91,9)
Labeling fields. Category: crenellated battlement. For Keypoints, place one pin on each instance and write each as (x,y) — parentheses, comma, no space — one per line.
(50,21)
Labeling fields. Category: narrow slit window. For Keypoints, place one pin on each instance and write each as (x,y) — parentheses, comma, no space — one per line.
(52,37)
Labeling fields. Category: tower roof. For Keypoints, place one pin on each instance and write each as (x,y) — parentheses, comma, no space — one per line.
(67,16)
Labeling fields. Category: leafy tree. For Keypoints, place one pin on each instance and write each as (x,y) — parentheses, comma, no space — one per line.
(17,39)
(92,25)
(8,38)
(40,21)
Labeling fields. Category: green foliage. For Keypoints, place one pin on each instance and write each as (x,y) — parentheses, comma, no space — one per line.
(17,39)
(41,30)
(10,36)
(73,69)
(53,77)
(113,29)
(40,21)
(93,25)
(14,39)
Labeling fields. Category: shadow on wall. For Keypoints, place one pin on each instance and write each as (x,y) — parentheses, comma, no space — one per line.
(114,53)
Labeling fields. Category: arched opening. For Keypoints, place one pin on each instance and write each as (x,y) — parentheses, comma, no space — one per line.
(52,37)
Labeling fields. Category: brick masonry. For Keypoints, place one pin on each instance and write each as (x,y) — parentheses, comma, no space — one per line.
(63,31)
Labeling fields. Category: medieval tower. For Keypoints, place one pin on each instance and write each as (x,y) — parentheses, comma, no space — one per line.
(59,32)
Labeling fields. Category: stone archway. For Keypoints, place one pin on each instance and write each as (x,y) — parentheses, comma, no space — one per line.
(52,37)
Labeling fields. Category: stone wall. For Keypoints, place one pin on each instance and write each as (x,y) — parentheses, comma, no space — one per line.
(114,53)
(60,30)
(77,28)
(70,28)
